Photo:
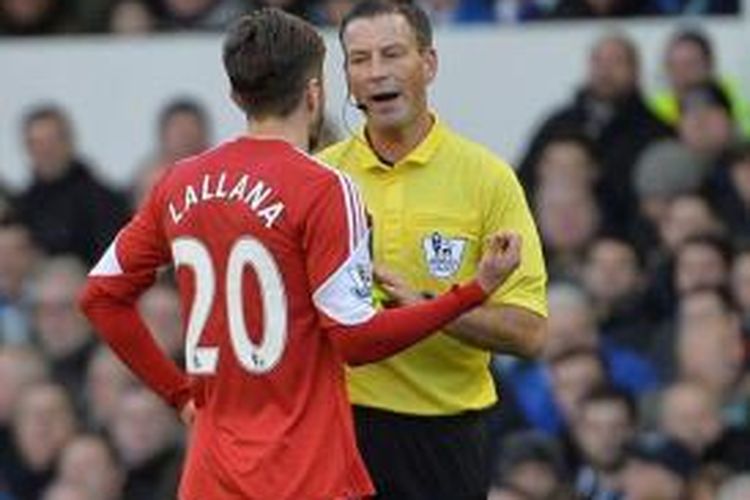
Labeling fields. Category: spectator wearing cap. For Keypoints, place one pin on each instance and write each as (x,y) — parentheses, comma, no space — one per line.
(532,464)
(665,170)
(658,467)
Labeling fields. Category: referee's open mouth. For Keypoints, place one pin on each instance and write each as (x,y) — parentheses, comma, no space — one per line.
(384,97)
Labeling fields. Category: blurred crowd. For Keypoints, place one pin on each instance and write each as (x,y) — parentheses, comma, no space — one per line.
(44,17)
(643,391)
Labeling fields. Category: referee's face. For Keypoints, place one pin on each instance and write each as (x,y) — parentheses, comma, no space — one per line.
(387,72)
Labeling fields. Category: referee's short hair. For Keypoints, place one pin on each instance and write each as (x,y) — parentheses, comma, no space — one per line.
(413,13)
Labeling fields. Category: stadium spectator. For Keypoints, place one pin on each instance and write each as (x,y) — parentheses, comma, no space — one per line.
(706,126)
(106,380)
(43,423)
(702,261)
(610,110)
(183,130)
(690,414)
(145,434)
(658,467)
(66,208)
(131,17)
(533,468)
(709,350)
(62,333)
(568,221)
(89,460)
(665,170)
(613,277)
(17,259)
(607,422)
(690,60)
(34,17)
(20,368)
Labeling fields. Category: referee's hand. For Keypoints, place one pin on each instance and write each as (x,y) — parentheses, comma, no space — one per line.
(501,257)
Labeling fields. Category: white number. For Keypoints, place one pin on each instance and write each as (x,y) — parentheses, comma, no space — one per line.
(246,251)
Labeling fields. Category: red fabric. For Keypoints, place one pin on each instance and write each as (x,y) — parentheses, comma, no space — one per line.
(393,330)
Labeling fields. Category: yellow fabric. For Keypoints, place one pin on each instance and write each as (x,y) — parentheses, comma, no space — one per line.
(459,190)
(665,106)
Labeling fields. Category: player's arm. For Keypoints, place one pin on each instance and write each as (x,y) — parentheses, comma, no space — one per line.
(392,330)
(127,268)
(494,327)
(340,269)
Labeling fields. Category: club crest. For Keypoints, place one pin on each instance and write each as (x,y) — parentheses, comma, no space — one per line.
(361,277)
(443,255)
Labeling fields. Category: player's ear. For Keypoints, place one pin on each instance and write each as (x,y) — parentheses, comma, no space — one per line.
(314,95)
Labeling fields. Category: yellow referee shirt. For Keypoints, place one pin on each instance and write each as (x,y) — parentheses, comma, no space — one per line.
(431,213)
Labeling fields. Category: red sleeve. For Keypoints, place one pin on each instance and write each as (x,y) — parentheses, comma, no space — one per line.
(393,330)
(128,268)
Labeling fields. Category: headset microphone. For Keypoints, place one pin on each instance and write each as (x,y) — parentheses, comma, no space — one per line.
(360,106)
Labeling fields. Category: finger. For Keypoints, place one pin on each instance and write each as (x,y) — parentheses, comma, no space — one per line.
(385,275)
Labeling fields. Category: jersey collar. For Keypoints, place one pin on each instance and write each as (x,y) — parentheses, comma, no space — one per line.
(420,155)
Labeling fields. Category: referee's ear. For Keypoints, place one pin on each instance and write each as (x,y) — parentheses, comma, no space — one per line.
(430,63)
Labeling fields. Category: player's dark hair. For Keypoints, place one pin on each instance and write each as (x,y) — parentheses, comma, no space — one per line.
(269,57)
(414,15)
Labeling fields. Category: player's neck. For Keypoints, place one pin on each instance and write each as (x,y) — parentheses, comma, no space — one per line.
(393,145)
(291,129)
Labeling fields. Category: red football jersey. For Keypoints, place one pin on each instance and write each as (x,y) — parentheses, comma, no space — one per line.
(270,247)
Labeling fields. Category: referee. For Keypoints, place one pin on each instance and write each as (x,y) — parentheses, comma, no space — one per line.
(434,196)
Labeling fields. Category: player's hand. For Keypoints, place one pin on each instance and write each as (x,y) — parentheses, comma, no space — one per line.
(396,286)
(501,257)
(187,413)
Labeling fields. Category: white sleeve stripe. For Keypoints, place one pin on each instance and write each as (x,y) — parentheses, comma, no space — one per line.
(361,213)
(349,215)
(360,224)
(109,264)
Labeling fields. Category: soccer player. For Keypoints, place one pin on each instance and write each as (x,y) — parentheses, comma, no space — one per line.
(434,196)
(274,273)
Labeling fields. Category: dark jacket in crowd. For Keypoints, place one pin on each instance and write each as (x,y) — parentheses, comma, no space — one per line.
(73,214)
